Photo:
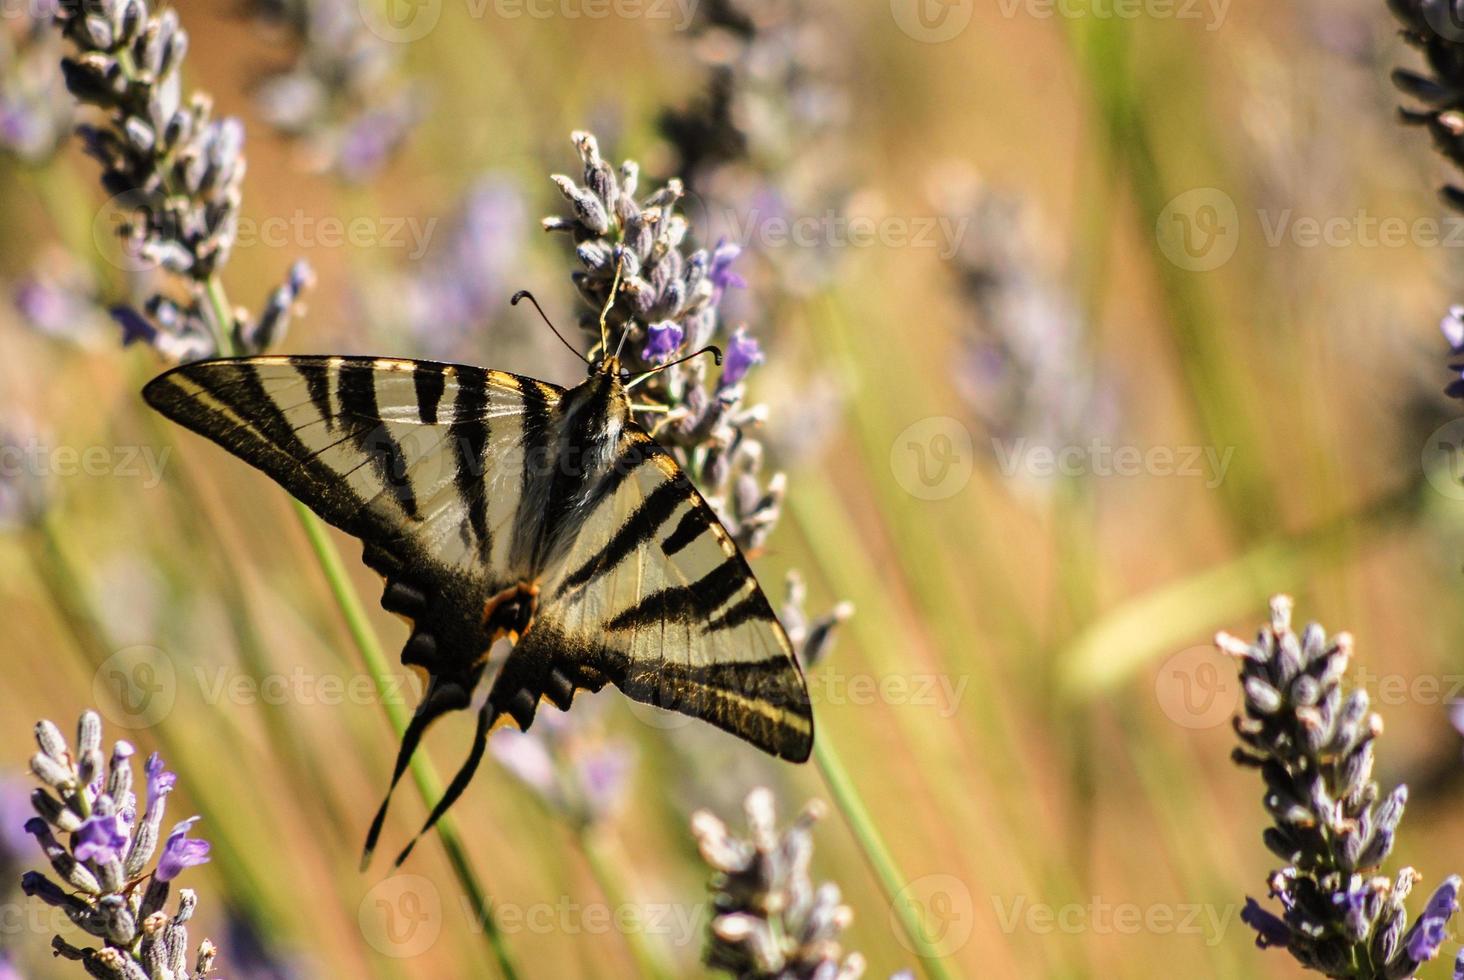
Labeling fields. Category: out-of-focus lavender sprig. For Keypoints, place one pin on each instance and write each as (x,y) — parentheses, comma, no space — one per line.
(578,771)
(35,111)
(769,920)
(344,97)
(1312,741)
(765,139)
(1025,370)
(108,839)
(444,300)
(175,170)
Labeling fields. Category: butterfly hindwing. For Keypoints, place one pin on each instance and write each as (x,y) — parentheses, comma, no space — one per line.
(655,596)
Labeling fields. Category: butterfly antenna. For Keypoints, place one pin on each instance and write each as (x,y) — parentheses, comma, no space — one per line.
(525,294)
(604,313)
(712,349)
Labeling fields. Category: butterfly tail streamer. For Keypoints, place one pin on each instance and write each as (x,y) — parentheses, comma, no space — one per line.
(487,715)
(440,699)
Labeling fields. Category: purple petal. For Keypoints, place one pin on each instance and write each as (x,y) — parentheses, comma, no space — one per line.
(720,272)
(1432,928)
(159,782)
(662,340)
(101,838)
(742,353)
(181,851)
(135,327)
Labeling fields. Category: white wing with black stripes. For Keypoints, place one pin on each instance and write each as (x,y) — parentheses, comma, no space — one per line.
(496,505)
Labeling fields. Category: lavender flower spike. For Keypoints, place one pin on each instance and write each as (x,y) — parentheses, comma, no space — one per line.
(88,797)
(174,169)
(1312,741)
(769,922)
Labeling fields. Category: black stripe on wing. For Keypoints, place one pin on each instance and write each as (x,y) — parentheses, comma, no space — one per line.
(688,603)
(356,391)
(468,434)
(639,528)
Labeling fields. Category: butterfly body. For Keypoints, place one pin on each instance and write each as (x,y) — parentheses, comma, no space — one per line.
(494,506)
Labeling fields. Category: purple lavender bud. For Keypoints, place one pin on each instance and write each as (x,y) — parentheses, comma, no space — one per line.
(181,851)
(720,272)
(159,782)
(742,353)
(101,839)
(662,341)
(135,327)
(1432,928)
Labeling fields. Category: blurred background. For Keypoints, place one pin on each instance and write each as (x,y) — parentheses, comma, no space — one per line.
(1088,326)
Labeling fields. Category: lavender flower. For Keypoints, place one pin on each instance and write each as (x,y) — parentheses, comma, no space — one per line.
(59,298)
(35,113)
(767,135)
(172,167)
(464,280)
(663,296)
(705,424)
(769,921)
(1025,371)
(574,769)
(90,797)
(343,98)
(1312,741)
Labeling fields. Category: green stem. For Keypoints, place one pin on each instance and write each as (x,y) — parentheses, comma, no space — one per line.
(424,774)
(851,805)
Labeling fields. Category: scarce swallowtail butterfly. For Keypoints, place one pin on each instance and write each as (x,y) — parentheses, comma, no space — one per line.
(494,506)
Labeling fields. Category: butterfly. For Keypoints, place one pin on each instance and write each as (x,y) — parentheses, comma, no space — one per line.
(495,505)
